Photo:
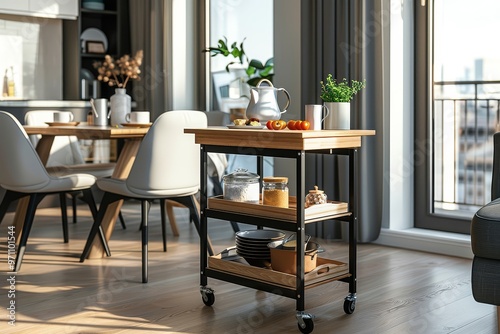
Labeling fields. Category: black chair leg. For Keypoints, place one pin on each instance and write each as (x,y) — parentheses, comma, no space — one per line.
(107,199)
(89,199)
(64,216)
(144,231)
(28,222)
(163,212)
(235,226)
(73,205)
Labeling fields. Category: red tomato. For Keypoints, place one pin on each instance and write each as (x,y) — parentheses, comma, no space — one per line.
(305,125)
(298,124)
(269,124)
(291,124)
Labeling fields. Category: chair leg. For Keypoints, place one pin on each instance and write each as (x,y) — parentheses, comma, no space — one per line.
(89,199)
(64,216)
(235,226)
(144,231)
(107,199)
(163,223)
(73,205)
(28,222)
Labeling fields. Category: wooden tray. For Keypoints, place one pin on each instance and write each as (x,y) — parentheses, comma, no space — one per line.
(327,270)
(313,213)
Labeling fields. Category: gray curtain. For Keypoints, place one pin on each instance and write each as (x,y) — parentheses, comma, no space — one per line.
(348,42)
(149,31)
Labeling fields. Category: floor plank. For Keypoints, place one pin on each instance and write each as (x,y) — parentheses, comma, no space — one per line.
(399,291)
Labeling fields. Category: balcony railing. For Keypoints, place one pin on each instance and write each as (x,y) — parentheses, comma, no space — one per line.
(465,116)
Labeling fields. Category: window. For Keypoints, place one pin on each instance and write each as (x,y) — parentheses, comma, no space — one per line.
(458,71)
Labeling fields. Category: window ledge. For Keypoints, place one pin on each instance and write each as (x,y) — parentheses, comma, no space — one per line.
(445,243)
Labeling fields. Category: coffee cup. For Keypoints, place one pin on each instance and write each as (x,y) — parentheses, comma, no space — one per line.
(137,117)
(314,115)
(63,117)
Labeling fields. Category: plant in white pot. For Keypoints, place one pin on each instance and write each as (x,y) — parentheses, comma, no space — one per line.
(337,97)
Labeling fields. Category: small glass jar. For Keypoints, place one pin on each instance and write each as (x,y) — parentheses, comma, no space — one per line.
(241,186)
(275,191)
(315,196)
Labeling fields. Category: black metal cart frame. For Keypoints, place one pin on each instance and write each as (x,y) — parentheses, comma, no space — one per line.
(304,319)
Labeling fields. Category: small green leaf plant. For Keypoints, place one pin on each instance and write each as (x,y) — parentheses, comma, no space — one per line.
(333,91)
(255,70)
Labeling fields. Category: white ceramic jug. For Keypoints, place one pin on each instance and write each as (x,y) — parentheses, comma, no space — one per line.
(264,102)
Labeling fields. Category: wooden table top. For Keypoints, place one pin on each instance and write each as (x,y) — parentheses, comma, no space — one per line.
(87,131)
(280,139)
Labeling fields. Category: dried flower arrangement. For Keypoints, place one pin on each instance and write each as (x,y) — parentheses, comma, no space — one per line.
(119,72)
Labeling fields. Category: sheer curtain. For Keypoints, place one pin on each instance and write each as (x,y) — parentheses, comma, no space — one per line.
(150,22)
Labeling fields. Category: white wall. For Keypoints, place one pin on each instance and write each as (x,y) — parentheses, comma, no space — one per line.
(40,76)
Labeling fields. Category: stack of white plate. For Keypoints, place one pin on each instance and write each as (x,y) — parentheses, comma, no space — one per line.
(252,245)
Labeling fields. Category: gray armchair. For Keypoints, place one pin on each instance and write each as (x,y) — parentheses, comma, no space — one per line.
(485,242)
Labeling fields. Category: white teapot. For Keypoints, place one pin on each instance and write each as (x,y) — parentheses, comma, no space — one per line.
(264,102)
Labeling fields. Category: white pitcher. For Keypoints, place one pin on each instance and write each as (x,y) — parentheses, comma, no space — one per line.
(264,102)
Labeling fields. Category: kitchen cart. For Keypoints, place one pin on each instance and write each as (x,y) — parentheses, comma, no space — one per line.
(283,144)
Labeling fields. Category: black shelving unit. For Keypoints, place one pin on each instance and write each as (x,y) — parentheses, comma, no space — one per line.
(113,21)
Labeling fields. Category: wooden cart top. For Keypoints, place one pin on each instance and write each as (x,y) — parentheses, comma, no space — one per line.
(280,139)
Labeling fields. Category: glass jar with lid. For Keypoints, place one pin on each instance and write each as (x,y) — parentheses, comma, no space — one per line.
(275,191)
(241,186)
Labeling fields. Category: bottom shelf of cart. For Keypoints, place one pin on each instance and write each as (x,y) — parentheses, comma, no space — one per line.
(274,281)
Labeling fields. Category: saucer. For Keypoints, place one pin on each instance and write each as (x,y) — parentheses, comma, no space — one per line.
(137,125)
(62,123)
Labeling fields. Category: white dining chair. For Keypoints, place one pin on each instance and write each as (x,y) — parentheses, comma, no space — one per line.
(23,174)
(167,166)
(66,156)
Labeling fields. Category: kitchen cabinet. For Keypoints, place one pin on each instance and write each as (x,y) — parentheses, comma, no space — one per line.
(82,40)
(12,7)
(293,145)
(60,9)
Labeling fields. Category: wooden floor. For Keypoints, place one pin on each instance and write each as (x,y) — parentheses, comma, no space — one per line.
(399,291)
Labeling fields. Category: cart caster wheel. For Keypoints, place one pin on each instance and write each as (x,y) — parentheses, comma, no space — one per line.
(208,297)
(308,326)
(349,306)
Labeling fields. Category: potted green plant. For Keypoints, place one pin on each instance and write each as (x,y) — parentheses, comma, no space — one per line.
(337,97)
(255,70)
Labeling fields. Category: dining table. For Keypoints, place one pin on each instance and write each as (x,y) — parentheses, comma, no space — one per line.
(132,137)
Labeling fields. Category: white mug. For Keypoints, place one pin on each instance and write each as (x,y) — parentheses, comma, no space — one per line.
(100,115)
(137,117)
(63,117)
(314,115)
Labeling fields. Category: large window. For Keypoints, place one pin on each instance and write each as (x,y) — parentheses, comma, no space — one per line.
(459,72)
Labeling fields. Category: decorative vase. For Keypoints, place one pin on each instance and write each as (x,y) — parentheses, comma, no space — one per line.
(339,117)
(120,104)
